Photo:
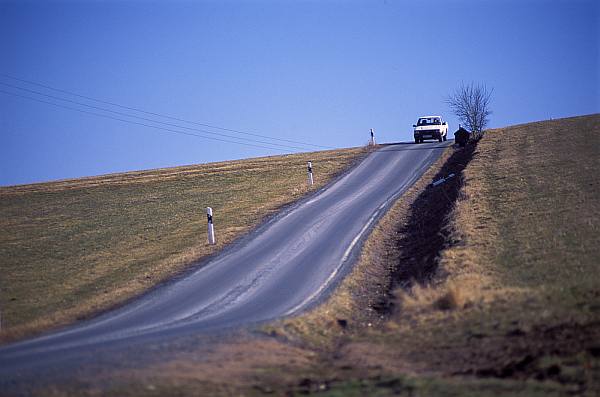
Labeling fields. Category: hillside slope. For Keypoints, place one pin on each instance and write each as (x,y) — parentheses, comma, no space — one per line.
(71,248)
(513,307)
(507,304)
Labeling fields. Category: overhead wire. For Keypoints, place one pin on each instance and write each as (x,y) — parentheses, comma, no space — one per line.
(149,120)
(140,124)
(162,115)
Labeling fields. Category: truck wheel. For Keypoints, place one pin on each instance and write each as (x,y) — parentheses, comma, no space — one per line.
(416,140)
(440,138)
(445,138)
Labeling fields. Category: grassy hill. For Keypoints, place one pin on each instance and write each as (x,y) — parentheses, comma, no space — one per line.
(71,248)
(486,285)
(513,304)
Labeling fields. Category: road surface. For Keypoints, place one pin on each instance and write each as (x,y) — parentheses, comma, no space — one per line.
(283,267)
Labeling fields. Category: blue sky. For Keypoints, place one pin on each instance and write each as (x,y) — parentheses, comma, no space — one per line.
(320,72)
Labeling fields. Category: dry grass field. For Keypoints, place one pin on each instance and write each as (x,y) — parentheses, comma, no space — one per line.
(505,302)
(69,249)
(487,285)
(513,307)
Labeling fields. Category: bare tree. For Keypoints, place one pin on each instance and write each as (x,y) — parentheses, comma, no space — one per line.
(470,103)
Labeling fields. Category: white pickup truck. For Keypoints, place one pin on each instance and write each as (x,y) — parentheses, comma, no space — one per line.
(430,127)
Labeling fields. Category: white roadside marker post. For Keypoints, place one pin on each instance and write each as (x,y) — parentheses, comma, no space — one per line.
(310,174)
(211,229)
(372,137)
(440,181)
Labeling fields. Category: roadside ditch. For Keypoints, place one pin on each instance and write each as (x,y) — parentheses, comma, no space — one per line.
(402,251)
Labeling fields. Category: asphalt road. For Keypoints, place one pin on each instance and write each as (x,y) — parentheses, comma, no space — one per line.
(285,266)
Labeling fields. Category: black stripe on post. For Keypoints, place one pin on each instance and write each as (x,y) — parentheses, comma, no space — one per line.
(209,218)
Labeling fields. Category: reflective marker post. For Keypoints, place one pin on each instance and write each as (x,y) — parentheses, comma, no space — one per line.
(310,175)
(211,229)
(440,181)
(372,137)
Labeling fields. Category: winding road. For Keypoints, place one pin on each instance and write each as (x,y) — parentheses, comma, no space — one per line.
(286,265)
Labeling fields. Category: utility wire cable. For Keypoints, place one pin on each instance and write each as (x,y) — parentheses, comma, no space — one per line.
(141,124)
(147,119)
(161,115)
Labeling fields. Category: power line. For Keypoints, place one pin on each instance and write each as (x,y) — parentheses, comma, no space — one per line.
(141,124)
(159,114)
(147,119)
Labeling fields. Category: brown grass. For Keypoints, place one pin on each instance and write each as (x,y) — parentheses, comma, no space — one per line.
(508,305)
(69,249)
(527,221)
(296,352)
(244,364)
(516,293)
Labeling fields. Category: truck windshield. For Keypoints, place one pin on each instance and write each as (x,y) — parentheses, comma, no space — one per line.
(429,121)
